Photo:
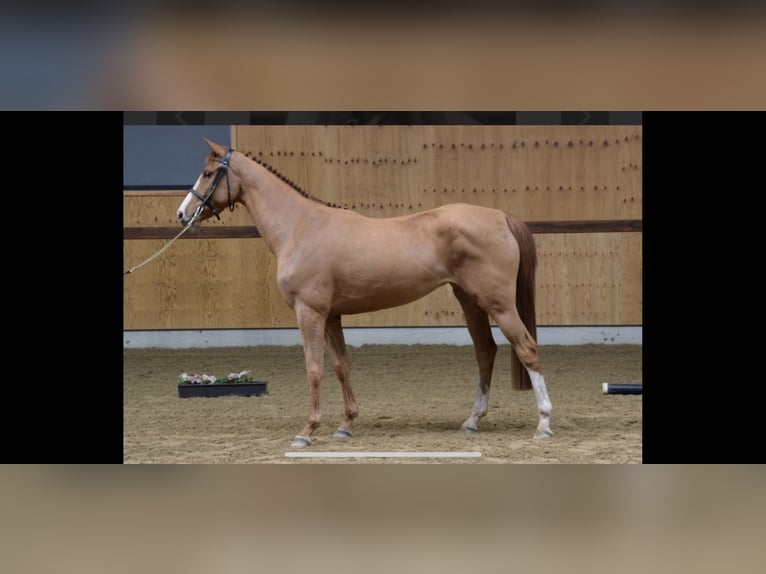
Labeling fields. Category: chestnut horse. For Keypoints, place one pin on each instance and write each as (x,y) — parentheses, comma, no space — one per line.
(332,261)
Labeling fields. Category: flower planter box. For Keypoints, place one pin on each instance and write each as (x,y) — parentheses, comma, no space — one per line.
(250,389)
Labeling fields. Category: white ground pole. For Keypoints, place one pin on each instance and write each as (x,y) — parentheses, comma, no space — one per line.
(384,454)
(356,337)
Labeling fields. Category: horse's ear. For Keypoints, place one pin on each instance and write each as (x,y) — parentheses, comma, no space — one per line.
(219,150)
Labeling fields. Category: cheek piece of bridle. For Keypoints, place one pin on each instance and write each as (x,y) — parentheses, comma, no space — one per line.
(223,169)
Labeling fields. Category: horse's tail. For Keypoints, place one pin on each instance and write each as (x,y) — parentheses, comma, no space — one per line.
(525,295)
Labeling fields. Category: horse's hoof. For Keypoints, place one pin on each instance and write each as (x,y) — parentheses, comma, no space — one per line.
(301,442)
(342,434)
(541,435)
(469,430)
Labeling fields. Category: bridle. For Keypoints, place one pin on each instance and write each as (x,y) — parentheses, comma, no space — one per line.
(222,169)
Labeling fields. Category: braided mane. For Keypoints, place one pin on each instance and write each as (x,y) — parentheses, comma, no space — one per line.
(289,182)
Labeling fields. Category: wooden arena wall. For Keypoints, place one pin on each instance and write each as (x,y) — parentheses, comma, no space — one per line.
(579,187)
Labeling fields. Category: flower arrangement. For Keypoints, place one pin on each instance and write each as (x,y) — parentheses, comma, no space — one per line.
(243,377)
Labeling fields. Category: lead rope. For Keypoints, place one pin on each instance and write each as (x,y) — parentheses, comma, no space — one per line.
(164,248)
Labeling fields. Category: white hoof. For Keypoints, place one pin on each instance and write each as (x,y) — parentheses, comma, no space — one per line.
(469,430)
(301,441)
(543,434)
(342,434)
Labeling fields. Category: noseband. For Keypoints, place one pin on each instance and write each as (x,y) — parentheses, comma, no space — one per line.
(223,169)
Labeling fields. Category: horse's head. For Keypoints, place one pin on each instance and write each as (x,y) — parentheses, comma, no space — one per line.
(216,187)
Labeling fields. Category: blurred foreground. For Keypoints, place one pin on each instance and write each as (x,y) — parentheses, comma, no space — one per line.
(446,519)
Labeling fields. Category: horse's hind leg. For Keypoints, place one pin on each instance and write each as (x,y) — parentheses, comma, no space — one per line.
(484,345)
(525,348)
(336,345)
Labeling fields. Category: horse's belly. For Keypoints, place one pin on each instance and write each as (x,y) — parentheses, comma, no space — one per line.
(380,295)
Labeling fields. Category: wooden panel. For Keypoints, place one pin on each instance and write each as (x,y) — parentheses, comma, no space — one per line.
(589,279)
(381,171)
(203,284)
(534,172)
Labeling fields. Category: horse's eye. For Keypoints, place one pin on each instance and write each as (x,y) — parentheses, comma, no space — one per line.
(206,174)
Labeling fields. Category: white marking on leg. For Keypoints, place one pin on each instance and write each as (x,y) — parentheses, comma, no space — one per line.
(480,407)
(481,404)
(544,406)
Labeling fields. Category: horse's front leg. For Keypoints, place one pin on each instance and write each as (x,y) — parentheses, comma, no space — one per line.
(312,325)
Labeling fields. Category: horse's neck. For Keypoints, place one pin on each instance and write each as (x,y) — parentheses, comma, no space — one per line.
(275,207)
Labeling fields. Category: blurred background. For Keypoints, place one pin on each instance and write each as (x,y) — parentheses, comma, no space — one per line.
(307,56)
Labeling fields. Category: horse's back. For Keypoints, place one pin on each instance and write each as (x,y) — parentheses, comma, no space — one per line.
(433,240)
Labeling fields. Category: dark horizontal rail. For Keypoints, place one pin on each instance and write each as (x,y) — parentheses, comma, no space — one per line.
(246,231)
(198,232)
(588,226)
